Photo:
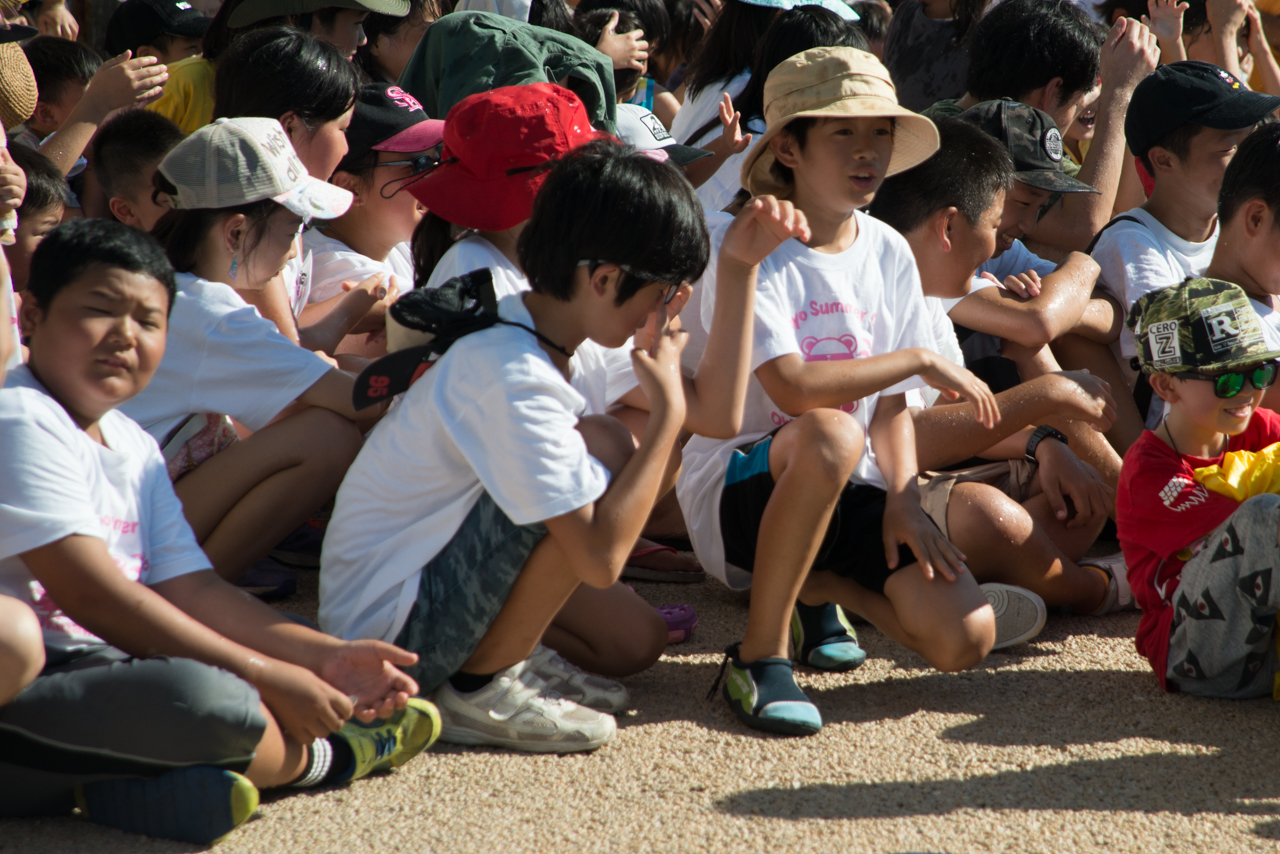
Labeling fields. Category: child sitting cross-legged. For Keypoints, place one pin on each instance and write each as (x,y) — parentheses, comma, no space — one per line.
(487,516)
(235,226)
(1196,511)
(814,504)
(167,696)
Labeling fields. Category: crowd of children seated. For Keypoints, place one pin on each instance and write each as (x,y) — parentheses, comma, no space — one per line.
(902,313)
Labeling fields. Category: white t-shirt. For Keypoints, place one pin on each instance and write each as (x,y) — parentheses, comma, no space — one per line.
(9,315)
(333,262)
(474,253)
(55,481)
(224,358)
(717,192)
(492,415)
(945,344)
(696,112)
(863,302)
(1137,258)
(600,375)
(297,281)
(1270,322)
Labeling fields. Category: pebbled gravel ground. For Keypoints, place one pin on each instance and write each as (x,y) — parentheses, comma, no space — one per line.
(1066,744)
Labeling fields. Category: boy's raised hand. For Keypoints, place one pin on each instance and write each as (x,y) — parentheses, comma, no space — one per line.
(627,50)
(125,82)
(1130,53)
(13,182)
(762,226)
(732,140)
(368,672)
(54,19)
(955,382)
(1164,19)
(658,372)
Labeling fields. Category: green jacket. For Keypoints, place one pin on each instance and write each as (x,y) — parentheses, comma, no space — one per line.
(464,53)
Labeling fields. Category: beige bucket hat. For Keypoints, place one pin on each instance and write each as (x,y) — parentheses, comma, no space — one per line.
(834,82)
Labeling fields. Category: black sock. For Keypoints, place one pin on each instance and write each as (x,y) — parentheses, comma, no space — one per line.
(465,683)
(340,768)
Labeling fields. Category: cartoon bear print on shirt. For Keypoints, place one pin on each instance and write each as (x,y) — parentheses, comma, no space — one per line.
(829,350)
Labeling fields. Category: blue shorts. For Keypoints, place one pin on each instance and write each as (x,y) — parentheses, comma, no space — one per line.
(462,590)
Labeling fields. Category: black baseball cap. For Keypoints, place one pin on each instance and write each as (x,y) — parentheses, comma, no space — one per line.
(135,23)
(1191,92)
(1033,140)
(17,33)
(387,118)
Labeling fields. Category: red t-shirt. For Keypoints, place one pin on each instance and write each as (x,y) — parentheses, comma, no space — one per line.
(1161,510)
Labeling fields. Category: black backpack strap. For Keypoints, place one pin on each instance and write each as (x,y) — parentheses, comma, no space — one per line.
(1098,236)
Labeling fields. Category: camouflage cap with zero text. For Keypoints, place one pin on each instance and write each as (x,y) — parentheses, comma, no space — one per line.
(1201,324)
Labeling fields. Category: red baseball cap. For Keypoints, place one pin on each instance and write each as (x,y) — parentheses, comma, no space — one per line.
(494,145)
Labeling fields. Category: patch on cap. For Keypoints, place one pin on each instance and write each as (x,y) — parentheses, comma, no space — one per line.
(1228,329)
(655,127)
(1162,338)
(1235,84)
(402,98)
(1053,144)
(183,5)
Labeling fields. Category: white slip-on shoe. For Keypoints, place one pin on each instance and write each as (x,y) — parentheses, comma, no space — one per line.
(1119,594)
(1020,614)
(573,683)
(517,711)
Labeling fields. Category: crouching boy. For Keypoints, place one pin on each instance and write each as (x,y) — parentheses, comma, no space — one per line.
(1199,538)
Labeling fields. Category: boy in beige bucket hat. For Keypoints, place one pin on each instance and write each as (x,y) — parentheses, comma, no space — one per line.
(814,502)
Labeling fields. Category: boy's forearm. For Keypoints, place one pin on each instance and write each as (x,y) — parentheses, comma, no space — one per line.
(949,433)
(246,620)
(1100,321)
(1073,222)
(893,439)
(719,388)
(798,386)
(1033,322)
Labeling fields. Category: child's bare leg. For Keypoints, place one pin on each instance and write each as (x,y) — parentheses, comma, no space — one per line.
(1075,353)
(279,758)
(245,499)
(1015,544)
(810,460)
(21,647)
(612,632)
(950,623)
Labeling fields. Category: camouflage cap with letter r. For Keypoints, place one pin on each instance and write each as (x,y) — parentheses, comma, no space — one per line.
(1201,324)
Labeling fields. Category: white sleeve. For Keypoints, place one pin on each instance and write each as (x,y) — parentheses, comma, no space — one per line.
(519,439)
(171,545)
(910,316)
(1133,263)
(250,371)
(330,269)
(773,334)
(43,492)
(9,316)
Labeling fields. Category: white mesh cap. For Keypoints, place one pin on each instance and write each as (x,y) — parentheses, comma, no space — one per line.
(234,162)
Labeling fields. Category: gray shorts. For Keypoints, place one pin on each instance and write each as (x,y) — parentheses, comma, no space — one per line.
(103,714)
(462,590)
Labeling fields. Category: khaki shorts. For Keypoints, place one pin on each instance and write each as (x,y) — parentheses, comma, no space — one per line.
(1015,478)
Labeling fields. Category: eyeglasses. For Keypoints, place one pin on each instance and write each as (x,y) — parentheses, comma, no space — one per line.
(419,164)
(1230,384)
(668,293)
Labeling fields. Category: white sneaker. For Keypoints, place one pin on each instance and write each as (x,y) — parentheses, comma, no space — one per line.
(573,683)
(1119,594)
(516,710)
(1020,614)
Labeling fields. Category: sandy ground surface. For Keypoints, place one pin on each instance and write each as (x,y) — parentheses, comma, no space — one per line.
(1065,744)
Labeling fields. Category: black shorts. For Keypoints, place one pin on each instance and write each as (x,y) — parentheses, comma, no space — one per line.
(853,547)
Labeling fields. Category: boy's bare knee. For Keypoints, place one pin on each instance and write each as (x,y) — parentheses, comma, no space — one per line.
(637,649)
(21,648)
(334,439)
(608,440)
(977,510)
(830,438)
(962,646)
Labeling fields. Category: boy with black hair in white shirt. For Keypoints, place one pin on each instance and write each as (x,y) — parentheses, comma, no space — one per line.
(478,524)
(814,503)
(225,695)
(1185,122)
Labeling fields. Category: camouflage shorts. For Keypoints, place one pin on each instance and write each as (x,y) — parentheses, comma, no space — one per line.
(462,589)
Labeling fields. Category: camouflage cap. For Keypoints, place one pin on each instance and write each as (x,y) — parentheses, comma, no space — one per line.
(1033,140)
(1197,325)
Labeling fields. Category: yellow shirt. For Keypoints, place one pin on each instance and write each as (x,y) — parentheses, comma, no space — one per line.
(188,94)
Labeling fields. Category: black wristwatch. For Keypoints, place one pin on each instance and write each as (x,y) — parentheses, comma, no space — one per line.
(1044,431)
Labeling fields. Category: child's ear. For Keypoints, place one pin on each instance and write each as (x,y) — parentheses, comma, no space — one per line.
(944,222)
(1162,159)
(147,50)
(1257,218)
(1165,386)
(29,316)
(122,209)
(605,280)
(784,149)
(45,115)
(351,184)
(233,232)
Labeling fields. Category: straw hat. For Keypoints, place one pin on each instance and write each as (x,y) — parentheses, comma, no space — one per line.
(17,86)
(834,82)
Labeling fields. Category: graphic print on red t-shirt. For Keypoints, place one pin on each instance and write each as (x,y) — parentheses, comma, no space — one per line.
(1161,511)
